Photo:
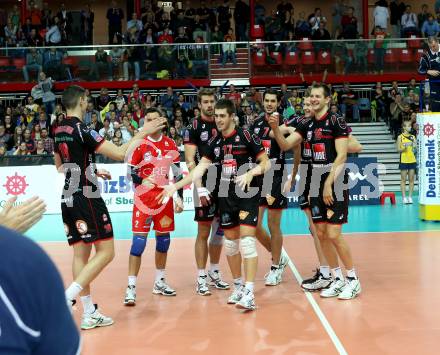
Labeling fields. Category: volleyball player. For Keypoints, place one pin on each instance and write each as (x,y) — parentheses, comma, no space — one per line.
(153,158)
(327,136)
(237,151)
(406,143)
(196,139)
(272,197)
(86,219)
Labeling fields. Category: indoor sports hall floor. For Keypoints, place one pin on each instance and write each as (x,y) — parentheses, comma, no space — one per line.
(396,255)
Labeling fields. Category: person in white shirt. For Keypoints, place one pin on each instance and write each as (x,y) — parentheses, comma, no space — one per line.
(134,22)
(315,19)
(53,36)
(409,23)
(381,16)
(107,131)
(229,51)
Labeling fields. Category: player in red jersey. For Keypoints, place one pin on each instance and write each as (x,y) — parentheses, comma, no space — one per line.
(152,160)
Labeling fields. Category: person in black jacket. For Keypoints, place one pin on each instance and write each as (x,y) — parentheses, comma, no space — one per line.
(430,66)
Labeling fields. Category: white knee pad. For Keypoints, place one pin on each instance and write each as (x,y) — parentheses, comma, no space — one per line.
(249,247)
(232,247)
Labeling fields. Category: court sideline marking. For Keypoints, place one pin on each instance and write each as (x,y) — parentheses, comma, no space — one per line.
(325,323)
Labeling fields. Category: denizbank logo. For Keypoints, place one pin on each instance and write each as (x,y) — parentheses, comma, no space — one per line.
(430,169)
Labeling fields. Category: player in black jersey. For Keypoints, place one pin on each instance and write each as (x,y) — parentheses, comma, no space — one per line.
(236,151)
(85,216)
(272,197)
(196,139)
(327,136)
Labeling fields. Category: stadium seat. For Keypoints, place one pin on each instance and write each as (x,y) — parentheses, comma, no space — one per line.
(370,57)
(324,58)
(18,63)
(390,57)
(405,56)
(277,57)
(414,42)
(5,64)
(257,31)
(418,55)
(305,44)
(259,59)
(308,58)
(364,105)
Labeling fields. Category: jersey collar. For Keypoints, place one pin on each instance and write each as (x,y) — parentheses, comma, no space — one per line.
(155,141)
(230,134)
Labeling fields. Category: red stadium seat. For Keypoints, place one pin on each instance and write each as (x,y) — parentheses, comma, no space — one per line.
(257,31)
(18,63)
(418,55)
(277,57)
(4,62)
(414,42)
(259,59)
(371,57)
(324,58)
(405,56)
(292,58)
(390,57)
(305,45)
(308,58)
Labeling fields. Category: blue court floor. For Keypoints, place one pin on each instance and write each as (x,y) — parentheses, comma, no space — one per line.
(362,219)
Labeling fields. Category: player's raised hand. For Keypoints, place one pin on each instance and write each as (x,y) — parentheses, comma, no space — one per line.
(273,121)
(244,181)
(166,193)
(153,126)
(104,174)
(178,205)
(22,217)
(328,193)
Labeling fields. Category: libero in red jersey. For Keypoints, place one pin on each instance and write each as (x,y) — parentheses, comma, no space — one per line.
(150,165)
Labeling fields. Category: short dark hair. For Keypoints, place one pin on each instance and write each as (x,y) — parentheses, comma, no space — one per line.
(225,104)
(153,110)
(271,91)
(204,92)
(71,95)
(324,88)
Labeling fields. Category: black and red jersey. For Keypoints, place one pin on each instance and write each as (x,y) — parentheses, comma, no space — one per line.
(306,150)
(199,133)
(238,149)
(320,135)
(76,145)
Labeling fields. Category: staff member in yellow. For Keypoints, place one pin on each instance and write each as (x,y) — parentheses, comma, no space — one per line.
(406,144)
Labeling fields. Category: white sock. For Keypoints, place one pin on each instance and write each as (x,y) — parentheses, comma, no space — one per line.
(337,273)
(132,281)
(73,290)
(160,274)
(275,266)
(250,286)
(238,283)
(88,305)
(201,272)
(214,267)
(325,271)
(352,273)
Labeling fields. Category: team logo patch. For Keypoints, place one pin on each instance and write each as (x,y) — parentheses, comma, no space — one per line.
(247,135)
(319,152)
(66,229)
(166,144)
(165,222)
(318,134)
(81,226)
(270,200)
(309,135)
(342,123)
(237,139)
(243,214)
(256,139)
(217,151)
(204,136)
(256,130)
(104,217)
(96,136)
(148,156)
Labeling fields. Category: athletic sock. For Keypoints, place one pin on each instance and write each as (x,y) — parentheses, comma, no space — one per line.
(250,286)
(238,283)
(88,305)
(132,281)
(73,290)
(214,267)
(337,273)
(352,273)
(201,273)
(275,266)
(325,271)
(160,274)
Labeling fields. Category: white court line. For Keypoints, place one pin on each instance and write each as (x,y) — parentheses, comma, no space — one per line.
(325,323)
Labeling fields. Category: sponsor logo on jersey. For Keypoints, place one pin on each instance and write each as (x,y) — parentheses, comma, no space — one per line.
(243,214)
(237,139)
(307,151)
(81,226)
(309,135)
(204,136)
(266,144)
(217,151)
(319,152)
(318,133)
(148,156)
(229,167)
(256,130)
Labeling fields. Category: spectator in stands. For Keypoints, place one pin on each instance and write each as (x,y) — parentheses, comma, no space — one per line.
(39,150)
(224,16)
(349,101)
(47,141)
(349,24)
(380,45)
(3,151)
(302,28)
(27,27)
(321,34)
(90,111)
(381,15)
(180,21)
(45,84)
(178,122)
(107,131)
(43,120)
(53,35)
(22,149)
(199,58)
(198,29)
(341,55)
(396,109)
(134,58)
(175,137)
(229,51)
(52,63)
(395,88)
(95,123)
(315,19)
(338,9)
(34,39)
(36,131)
(274,30)
(18,137)
(65,24)
(409,23)
(28,141)
(136,94)
(379,104)
(103,99)
(10,31)
(234,96)
(5,138)
(9,125)
(137,112)
(135,23)
(184,106)
(34,13)
(102,63)
(168,101)
(126,129)
(397,8)
(117,58)
(216,36)
(241,18)
(412,85)
(360,52)
(423,16)
(34,61)
(120,99)
(87,21)
(430,27)
(412,100)
(115,15)
(46,16)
